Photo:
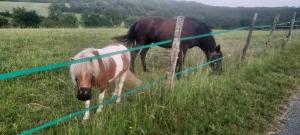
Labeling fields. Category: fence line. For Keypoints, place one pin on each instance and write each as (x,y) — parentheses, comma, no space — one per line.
(111,100)
(28,71)
(67,63)
(70,62)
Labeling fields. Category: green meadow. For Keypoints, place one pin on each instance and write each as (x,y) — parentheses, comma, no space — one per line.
(41,8)
(245,99)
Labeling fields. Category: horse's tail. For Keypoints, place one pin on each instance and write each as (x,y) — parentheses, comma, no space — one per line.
(130,78)
(130,37)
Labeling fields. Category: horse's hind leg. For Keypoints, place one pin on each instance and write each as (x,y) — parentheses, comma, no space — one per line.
(118,87)
(143,57)
(101,97)
(180,61)
(87,113)
(133,56)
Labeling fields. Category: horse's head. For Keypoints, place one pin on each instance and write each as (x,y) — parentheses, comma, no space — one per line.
(82,75)
(216,56)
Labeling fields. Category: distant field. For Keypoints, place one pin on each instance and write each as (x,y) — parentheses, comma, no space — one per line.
(242,100)
(41,8)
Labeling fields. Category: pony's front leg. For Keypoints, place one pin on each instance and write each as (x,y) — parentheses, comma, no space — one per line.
(87,113)
(118,87)
(101,97)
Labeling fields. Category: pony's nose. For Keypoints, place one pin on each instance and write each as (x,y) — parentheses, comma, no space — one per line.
(84,94)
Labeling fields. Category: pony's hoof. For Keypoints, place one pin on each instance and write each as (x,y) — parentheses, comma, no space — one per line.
(85,118)
(99,110)
(118,100)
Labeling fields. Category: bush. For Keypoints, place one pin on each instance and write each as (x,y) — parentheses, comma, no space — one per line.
(3,21)
(6,13)
(23,18)
(63,20)
(69,20)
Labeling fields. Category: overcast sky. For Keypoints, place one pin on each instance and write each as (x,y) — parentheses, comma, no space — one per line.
(251,3)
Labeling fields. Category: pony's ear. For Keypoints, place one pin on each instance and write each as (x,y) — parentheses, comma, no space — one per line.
(218,48)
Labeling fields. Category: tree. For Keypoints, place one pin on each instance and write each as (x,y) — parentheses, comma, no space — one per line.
(23,18)
(131,19)
(3,21)
(94,19)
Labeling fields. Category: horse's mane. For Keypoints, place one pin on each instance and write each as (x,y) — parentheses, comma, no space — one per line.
(76,69)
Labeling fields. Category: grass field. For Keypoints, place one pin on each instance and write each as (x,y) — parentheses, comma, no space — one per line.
(242,100)
(40,8)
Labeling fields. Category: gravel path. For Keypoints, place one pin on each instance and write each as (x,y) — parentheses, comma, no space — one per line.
(292,117)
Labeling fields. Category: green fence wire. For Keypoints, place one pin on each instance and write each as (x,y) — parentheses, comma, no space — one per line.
(111,100)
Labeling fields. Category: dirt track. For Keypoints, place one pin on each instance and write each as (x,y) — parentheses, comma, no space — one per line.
(291,121)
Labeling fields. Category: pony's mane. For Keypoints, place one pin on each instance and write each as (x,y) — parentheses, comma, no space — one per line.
(88,66)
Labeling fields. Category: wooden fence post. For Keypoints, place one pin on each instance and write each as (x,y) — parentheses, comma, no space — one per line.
(249,37)
(175,51)
(289,36)
(270,37)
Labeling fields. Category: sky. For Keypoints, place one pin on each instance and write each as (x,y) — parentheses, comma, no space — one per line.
(251,3)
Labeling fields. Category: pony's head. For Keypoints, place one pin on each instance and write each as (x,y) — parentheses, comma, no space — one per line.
(83,75)
(216,56)
(84,84)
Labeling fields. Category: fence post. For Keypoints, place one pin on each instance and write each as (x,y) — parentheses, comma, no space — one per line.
(175,51)
(249,37)
(270,37)
(289,36)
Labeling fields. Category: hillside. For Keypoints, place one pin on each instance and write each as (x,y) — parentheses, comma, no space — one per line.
(97,13)
(117,11)
(41,8)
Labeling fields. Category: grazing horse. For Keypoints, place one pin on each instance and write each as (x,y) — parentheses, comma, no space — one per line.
(154,29)
(100,72)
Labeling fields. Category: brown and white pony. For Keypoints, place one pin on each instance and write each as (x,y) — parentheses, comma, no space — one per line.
(100,72)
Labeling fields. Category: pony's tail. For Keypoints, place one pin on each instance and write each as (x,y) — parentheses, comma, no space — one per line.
(130,78)
(129,38)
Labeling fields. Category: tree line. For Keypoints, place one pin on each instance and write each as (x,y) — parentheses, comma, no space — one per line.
(120,13)
(21,17)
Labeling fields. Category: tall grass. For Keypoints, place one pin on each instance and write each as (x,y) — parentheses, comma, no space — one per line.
(242,100)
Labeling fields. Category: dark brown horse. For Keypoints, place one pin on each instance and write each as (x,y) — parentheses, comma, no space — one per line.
(155,29)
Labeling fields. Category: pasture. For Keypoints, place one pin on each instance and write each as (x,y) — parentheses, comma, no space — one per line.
(41,8)
(242,100)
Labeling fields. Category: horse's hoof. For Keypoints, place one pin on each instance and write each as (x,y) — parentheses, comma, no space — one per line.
(147,70)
